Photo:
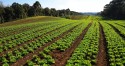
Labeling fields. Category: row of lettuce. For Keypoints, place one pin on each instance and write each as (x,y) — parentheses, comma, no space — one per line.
(84,54)
(24,37)
(119,27)
(45,58)
(16,29)
(18,53)
(115,44)
(10,30)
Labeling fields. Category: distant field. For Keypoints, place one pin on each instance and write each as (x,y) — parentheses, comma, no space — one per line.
(30,20)
(51,41)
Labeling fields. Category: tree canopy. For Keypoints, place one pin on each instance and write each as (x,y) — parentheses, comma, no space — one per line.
(114,10)
(18,11)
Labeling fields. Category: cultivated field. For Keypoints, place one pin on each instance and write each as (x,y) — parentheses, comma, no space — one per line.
(62,42)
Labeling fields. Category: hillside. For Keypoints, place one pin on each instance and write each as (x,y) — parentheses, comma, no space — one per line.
(41,35)
(31,20)
(54,41)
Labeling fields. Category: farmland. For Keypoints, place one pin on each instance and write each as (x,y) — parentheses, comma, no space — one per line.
(62,42)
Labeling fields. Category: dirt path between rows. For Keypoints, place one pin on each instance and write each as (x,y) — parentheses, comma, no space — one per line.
(23,44)
(62,57)
(102,58)
(29,56)
(117,31)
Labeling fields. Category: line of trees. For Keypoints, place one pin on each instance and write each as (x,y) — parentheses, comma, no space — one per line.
(114,10)
(18,11)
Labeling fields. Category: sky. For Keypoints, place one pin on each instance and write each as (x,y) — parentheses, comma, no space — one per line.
(74,5)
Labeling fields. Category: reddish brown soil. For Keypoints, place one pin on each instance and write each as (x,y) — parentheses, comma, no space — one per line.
(62,57)
(29,56)
(117,31)
(102,58)
(23,44)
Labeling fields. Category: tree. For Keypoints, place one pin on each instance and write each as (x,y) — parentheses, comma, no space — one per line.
(26,8)
(114,10)
(53,12)
(37,4)
(47,11)
(18,10)
(62,13)
(31,11)
(37,8)
(9,14)
(1,12)
(68,12)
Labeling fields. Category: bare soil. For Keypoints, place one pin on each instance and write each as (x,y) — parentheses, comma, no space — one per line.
(102,58)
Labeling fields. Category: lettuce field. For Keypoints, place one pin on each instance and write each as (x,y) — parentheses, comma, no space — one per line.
(63,43)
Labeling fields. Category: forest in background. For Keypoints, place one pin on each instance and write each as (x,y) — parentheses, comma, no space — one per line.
(114,10)
(18,11)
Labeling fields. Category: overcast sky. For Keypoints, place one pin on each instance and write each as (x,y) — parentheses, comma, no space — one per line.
(74,5)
